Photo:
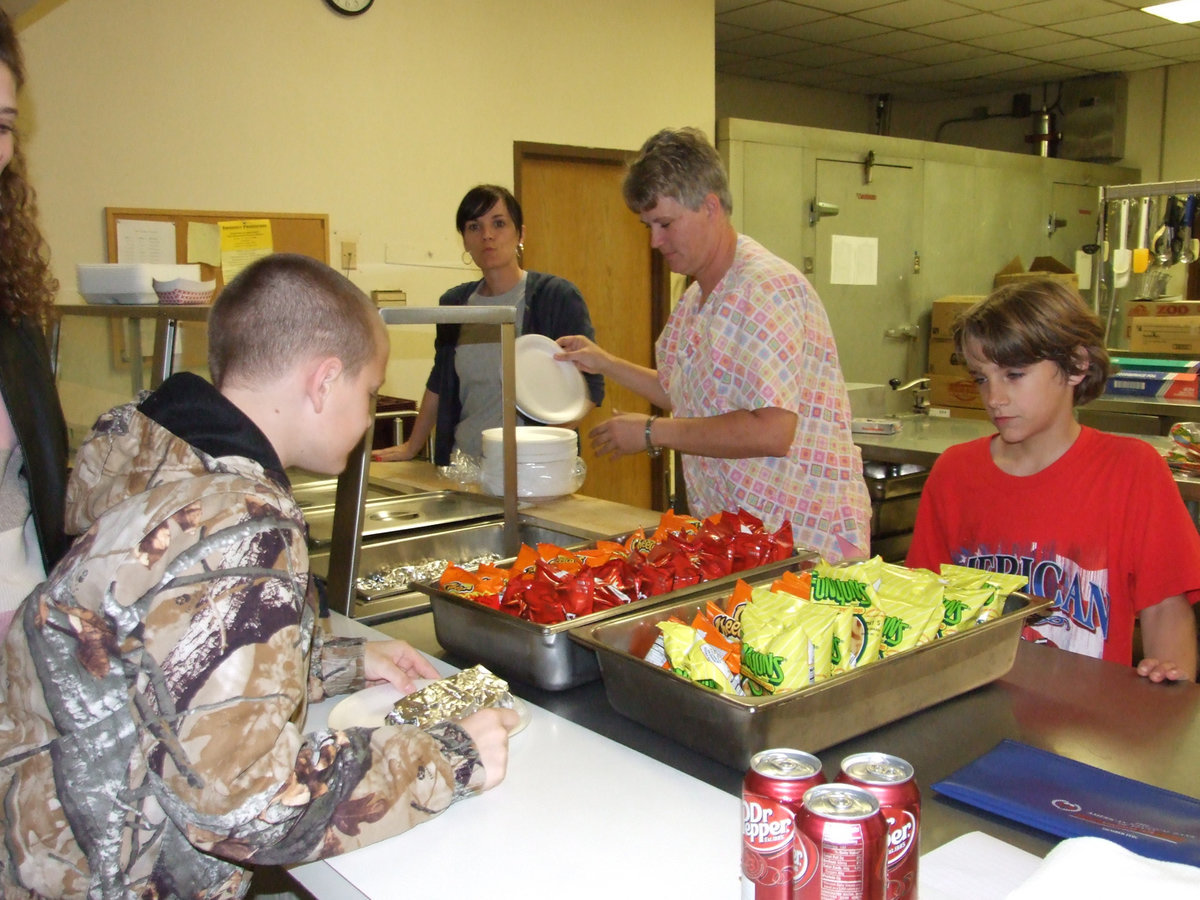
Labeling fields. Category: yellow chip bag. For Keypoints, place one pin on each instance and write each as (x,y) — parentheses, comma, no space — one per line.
(852,585)
(695,660)
(823,622)
(907,623)
(961,607)
(774,644)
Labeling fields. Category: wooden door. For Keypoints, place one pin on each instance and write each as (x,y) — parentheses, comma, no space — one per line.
(578,227)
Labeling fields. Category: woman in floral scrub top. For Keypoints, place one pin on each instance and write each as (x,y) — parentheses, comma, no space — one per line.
(747,365)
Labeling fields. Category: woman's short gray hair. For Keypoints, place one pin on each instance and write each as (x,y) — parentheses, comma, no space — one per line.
(679,164)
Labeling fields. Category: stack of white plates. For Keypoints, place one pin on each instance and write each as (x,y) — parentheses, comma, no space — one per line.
(545,461)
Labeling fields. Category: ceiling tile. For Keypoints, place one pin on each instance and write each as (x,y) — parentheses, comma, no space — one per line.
(763,44)
(892,42)
(911,13)
(1015,41)
(1186,50)
(1116,61)
(772,15)
(971,26)
(732,32)
(1045,72)
(875,65)
(1159,35)
(943,53)
(760,68)
(1065,49)
(1115,23)
(727,5)
(1051,12)
(835,29)
(816,57)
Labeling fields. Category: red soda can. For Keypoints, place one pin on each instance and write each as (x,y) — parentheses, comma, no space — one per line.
(892,781)
(772,794)
(841,839)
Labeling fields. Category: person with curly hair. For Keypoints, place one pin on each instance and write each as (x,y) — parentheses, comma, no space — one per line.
(33,433)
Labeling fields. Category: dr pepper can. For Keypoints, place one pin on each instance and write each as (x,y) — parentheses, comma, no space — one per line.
(892,781)
(772,793)
(841,840)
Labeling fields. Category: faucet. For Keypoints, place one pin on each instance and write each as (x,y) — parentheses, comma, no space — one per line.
(920,389)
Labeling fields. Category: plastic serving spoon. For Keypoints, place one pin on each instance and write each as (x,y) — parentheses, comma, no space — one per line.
(1122,258)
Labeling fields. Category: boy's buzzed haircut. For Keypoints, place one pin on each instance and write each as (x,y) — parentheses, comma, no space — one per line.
(1026,322)
(283,308)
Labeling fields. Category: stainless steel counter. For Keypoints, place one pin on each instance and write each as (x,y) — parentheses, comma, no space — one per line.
(922,439)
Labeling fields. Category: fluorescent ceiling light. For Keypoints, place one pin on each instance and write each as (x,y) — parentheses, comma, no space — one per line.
(1181,11)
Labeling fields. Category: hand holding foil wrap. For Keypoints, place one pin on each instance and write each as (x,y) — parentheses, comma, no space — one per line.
(452,698)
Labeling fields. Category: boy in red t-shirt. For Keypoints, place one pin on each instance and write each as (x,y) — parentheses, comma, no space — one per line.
(1094,520)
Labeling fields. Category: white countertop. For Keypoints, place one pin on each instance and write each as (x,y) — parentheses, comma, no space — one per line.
(578,815)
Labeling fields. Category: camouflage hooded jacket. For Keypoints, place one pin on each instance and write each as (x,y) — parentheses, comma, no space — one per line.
(153,684)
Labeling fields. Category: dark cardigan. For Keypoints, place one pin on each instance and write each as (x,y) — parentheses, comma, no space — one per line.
(553,307)
(27,385)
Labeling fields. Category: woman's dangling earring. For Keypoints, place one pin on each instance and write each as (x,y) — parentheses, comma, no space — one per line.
(520,250)
(466,258)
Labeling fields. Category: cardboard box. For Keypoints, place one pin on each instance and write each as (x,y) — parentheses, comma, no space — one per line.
(1142,308)
(943,360)
(1155,385)
(1043,268)
(945,310)
(968,412)
(954,390)
(1165,334)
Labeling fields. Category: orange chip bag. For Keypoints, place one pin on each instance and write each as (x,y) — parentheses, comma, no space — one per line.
(797,583)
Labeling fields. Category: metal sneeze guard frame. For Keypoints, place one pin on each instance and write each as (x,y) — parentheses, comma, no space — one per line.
(349,502)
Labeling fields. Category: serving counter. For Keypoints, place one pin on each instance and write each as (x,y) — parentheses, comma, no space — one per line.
(922,439)
(597,806)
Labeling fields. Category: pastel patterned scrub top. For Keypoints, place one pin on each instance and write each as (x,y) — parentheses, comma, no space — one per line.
(762,339)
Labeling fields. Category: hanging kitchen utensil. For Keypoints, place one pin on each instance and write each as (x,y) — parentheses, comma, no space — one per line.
(1122,258)
(1187,252)
(1164,235)
(1141,249)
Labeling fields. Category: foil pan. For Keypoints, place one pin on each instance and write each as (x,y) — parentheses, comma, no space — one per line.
(545,655)
(732,729)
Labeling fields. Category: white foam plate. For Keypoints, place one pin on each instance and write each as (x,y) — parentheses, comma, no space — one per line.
(548,389)
(368,707)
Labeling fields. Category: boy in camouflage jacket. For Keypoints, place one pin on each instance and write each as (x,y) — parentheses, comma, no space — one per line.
(153,687)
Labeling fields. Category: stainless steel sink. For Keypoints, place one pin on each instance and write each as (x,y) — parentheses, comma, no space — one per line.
(432,549)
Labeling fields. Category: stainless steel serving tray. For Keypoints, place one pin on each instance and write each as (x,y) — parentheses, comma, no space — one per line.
(411,512)
(460,542)
(544,655)
(732,729)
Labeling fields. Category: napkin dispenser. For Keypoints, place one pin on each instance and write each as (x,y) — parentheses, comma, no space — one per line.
(128,283)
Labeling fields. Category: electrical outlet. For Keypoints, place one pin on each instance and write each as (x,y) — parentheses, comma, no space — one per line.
(349,255)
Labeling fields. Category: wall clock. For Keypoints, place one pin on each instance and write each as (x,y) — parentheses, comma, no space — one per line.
(349,7)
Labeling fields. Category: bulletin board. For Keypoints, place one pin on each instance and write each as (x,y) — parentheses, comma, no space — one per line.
(306,233)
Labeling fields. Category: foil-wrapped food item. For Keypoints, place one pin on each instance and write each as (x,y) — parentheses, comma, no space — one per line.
(397,578)
(455,697)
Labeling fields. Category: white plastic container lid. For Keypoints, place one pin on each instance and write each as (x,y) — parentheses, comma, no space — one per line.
(535,443)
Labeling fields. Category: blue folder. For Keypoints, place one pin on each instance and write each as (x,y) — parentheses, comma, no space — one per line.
(1071,799)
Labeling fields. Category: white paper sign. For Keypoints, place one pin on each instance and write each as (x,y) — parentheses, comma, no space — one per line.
(854,260)
(145,241)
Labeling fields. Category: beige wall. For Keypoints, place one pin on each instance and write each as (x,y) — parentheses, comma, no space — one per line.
(382,121)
